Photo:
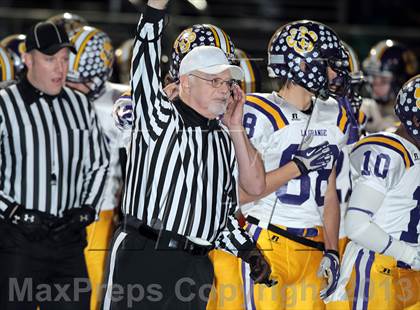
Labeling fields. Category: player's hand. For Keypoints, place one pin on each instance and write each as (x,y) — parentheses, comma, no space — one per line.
(415,264)
(122,112)
(260,269)
(313,158)
(172,90)
(329,269)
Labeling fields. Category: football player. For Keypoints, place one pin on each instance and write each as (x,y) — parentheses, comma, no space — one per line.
(296,220)
(89,71)
(388,65)
(382,259)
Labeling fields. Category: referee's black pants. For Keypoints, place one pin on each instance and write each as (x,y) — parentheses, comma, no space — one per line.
(139,276)
(45,274)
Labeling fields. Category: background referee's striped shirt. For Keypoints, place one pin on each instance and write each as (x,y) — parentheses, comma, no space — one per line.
(181,174)
(52,151)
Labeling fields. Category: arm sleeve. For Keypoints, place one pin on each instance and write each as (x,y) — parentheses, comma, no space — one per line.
(96,165)
(7,203)
(365,201)
(234,238)
(152,110)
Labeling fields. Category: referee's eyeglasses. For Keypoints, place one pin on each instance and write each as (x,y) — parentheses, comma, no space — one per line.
(217,82)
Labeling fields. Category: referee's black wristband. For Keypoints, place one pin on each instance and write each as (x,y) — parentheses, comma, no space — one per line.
(153,15)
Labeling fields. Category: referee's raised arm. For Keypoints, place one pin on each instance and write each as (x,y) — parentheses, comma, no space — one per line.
(152,111)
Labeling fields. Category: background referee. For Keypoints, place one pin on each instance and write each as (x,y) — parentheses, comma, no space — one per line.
(183,173)
(52,173)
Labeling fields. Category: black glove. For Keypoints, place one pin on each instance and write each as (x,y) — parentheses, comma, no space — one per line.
(73,223)
(260,269)
(30,222)
(313,158)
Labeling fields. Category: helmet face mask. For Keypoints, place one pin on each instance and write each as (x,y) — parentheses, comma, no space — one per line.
(301,51)
(407,107)
(92,65)
(199,35)
(357,78)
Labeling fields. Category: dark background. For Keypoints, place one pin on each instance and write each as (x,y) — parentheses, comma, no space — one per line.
(250,23)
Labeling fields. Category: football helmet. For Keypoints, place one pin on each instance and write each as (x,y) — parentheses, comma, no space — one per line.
(123,56)
(407,106)
(198,35)
(15,43)
(252,74)
(92,65)
(317,47)
(389,59)
(7,72)
(71,22)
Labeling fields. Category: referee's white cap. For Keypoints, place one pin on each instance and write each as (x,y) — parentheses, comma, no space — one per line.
(210,60)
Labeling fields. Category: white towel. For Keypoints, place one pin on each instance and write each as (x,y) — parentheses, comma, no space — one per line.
(349,258)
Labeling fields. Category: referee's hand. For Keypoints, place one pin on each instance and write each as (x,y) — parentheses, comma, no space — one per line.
(235,108)
(260,268)
(157,4)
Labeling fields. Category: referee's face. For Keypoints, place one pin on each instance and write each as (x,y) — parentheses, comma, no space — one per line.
(210,93)
(48,72)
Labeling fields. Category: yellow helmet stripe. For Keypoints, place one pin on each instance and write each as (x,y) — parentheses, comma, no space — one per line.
(3,67)
(7,71)
(228,51)
(76,36)
(81,49)
(216,35)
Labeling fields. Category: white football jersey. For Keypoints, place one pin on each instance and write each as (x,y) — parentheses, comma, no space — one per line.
(391,165)
(103,108)
(276,129)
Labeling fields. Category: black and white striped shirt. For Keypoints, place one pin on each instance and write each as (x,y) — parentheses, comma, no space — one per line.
(53,154)
(182,171)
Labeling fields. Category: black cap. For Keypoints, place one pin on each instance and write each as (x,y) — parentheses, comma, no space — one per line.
(48,38)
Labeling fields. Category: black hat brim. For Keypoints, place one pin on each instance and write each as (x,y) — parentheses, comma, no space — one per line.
(56,47)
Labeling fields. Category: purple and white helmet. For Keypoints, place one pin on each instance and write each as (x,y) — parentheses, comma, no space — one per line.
(314,44)
(199,35)
(407,106)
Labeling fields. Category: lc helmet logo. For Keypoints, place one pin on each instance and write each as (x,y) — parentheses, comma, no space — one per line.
(183,43)
(301,40)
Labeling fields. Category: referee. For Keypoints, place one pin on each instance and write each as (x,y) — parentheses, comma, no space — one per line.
(52,172)
(183,173)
